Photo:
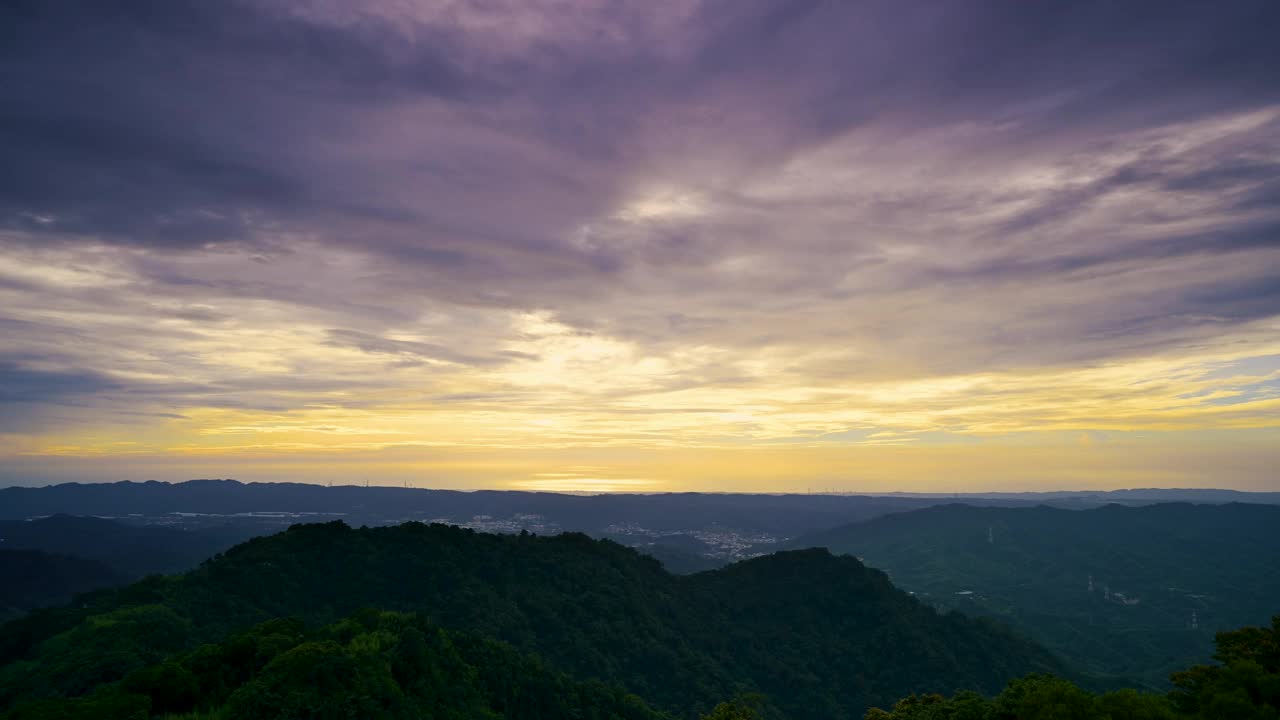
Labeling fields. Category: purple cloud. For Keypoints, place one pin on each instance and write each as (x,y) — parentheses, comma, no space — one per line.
(276,205)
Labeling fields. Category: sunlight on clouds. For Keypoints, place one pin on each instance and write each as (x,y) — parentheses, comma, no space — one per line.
(664,204)
(95,268)
(881,308)
(260,378)
(1143,396)
(571,361)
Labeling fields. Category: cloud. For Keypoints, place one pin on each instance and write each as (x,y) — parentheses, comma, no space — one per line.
(24,385)
(417,350)
(609,223)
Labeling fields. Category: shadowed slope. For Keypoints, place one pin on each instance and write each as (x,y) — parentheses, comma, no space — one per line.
(1111,589)
(31,579)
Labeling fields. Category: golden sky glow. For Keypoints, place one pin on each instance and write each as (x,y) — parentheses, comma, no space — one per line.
(267,395)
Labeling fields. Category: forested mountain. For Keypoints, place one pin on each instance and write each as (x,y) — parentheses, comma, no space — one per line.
(131,551)
(31,579)
(824,636)
(1134,592)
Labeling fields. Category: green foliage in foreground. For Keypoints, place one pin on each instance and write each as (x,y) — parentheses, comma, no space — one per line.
(1244,685)
(374,665)
(382,665)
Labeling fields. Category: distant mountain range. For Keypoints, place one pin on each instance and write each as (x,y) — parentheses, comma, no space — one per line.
(1134,592)
(295,502)
(1127,496)
(783,514)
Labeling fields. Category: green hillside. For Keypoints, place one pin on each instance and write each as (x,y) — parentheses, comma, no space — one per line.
(1154,570)
(823,636)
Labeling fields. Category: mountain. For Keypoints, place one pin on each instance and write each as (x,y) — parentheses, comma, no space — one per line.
(1095,498)
(131,551)
(688,532)
(618,515)
(822,636)
(31,579)
(1134,592)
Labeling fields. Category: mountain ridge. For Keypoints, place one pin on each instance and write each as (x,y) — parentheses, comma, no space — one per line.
(1116,590)
(591,608)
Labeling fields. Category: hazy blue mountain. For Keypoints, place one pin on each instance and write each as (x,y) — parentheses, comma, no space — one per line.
(1127,496)
(665,512)
(274,506)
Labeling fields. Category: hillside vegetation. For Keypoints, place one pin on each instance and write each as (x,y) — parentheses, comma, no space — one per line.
(372,665)
(1244,684)
(1130,592)
(821,636)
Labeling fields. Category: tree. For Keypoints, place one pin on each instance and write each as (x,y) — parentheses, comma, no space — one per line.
(1244,685)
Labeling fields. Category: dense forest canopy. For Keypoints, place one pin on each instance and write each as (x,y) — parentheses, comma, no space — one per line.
(374,665)
(822,636)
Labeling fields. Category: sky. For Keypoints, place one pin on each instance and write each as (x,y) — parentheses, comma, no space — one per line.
(577,245)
